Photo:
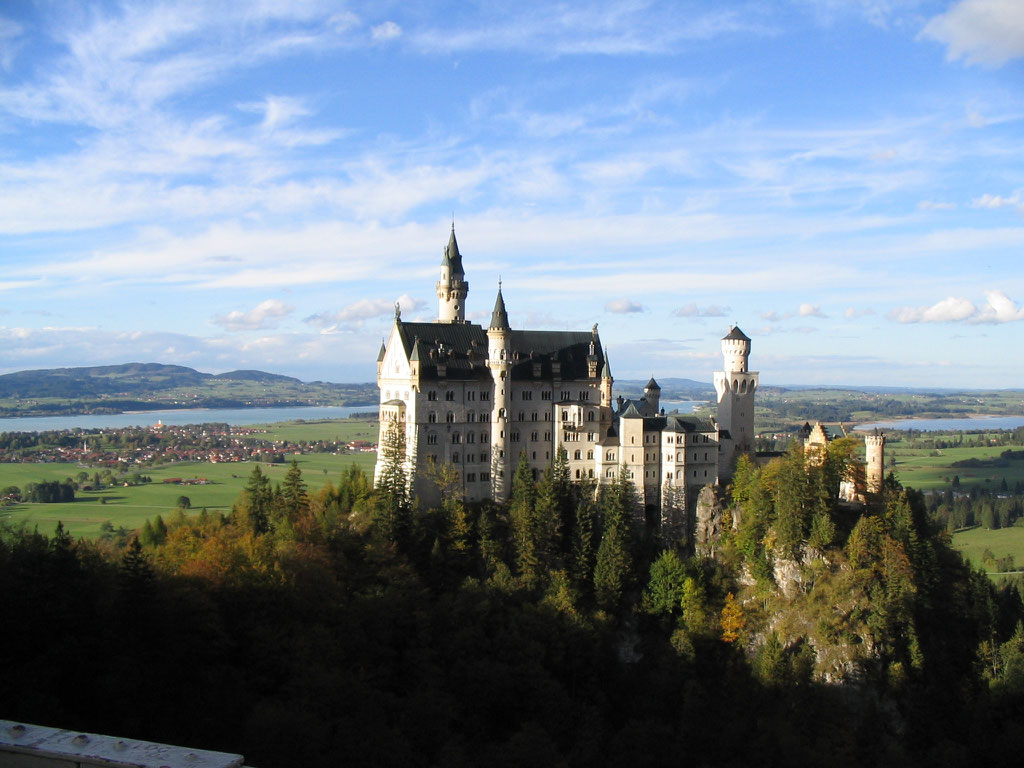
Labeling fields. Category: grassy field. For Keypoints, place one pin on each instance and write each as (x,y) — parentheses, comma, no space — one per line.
(131,507)
(344,430)
(918,468)
(1003,542)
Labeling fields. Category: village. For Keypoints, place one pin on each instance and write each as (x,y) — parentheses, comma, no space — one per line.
(161,444)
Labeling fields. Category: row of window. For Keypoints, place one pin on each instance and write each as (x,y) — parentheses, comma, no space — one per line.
(456,458)
(456,437)
(449,395)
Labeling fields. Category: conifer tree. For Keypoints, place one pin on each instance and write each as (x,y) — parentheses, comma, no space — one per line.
(585,537)
(613,562)
(294,491)
(393,513)
(526,533)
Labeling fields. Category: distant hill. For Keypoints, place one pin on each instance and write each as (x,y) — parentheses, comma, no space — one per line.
(671,388)
(261,376)
(153,386)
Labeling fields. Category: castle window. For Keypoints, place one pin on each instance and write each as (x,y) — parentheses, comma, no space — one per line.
(585,395)
(534,456)
(534,417)
(565,415)
(668,475)
(590,415)
(449,395)
(533,436)
(431,418)
(577,474)
(450,417)
(431,458)
(610,456)
(522,416)
(432,395)
(590,473)
(471,477)
(431,439)
(590,454)
(483,437)
(527,396)
(547,436)
(545,395)
(485,395)
(471,416)
(577,456)
(485,476)
(565,394)
(610,473)
(471,395)
(471,437)
(470,458)
(456,438)
(483,456)
(533,474)
(705,457)
(515,437)
(455,458)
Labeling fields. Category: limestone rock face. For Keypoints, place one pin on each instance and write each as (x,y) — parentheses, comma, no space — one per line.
(709,521)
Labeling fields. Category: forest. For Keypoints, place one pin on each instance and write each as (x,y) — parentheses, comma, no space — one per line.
(352,626)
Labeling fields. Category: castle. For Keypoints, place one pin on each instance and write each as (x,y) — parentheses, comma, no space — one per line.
(480,398)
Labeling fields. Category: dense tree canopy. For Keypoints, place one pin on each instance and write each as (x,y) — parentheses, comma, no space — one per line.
(350,626)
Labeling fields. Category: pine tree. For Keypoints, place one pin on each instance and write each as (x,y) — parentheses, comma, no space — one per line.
(613,563)
(393,513)
(526,531)
(294,491)
(585,538)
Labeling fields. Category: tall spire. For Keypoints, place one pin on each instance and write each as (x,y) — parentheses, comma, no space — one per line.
(452,258)
(499,317)
(452,287)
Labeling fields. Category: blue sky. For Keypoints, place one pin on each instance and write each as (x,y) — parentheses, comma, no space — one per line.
(255,184)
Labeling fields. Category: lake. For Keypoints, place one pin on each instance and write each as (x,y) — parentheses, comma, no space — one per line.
(949,425)
(234,416)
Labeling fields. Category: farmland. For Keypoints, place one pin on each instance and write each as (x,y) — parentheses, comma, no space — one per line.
(131,505)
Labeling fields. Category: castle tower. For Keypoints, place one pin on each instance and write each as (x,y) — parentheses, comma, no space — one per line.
(735,388)
(452,287)
(652,393)
(874,456)
(606,381)
(499,346)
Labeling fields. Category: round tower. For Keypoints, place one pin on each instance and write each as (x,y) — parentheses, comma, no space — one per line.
(652,394)
(452,287)
(499,358)
(735,387)
(606,381)
(874,458)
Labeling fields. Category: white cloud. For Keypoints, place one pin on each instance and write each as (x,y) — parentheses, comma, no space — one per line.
(932,205)
(263,315)
(811,310)
(989,32)
(623,307)
(997,201)
(998,308)
(852,313)
(364,309)
(692,310)
(386,31)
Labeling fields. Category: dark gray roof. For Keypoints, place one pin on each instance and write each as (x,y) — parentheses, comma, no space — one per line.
(452,258)
(652,384)
(606,370)
(499,317)
(383,351)
(736,334)
(462,349)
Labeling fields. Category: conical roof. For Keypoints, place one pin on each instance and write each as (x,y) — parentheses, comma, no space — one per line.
(383,351)
(452,258)
(736,334)
(652,384)
(606,370)
(499,317)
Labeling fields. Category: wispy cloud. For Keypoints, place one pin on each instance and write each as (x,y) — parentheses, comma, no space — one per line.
(692,310)
(264,315)
(364,309)
(989,32)
(997,308)
(623,307)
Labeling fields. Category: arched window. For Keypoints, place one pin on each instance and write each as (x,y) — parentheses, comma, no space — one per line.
(450,417)
(431,418)
(576,457)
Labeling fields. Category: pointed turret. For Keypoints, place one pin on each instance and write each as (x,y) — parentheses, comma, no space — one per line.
(383,351)
(452,288)
(652,393)
(499,317)
(452,258)
(606,380)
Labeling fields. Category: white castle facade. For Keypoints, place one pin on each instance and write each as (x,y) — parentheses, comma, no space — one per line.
(480,398)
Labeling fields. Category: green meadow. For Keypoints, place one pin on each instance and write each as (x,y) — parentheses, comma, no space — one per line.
(1001,543)
(927,469)
(131,506)
(343,430)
